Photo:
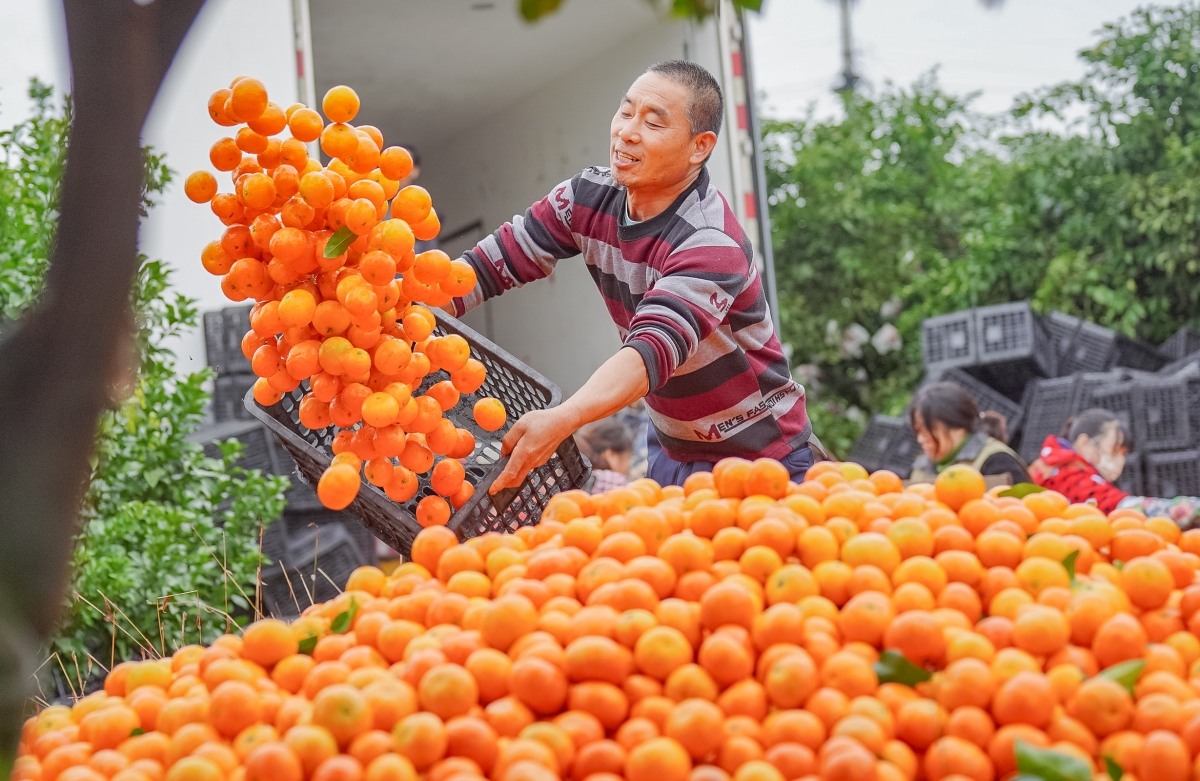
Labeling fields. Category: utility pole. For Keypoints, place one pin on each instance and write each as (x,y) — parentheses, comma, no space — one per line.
(849,77)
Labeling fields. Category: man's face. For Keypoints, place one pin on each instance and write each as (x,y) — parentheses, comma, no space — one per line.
(650,141)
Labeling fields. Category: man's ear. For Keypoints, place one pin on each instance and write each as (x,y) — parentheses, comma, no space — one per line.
(702,146)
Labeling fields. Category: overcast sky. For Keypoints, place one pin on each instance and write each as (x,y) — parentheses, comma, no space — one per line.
(1001,51)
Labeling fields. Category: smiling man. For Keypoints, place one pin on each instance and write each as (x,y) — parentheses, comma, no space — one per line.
(676,272)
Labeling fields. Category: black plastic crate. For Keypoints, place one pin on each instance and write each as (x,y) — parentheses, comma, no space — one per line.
(1132,479)
(258,445)
(223,332)
(1191,378)
(1086,382)
(228,398)
(301,523)
(1120,398)
(1134,354)
(275,540)
(316,569)
(949,340)
(1173,474)
(301,497)
(1184,342)
(1176,366)
(1047,406)
(1162,413)
(520,388)
(987,399)
(904,451)
(1078,345)
(1007,333)
(887,443)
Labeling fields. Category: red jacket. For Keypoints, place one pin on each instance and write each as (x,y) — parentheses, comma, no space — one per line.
(1060,468)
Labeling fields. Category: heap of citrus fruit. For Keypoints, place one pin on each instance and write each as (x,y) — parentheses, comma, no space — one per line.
(742,626)
(337,286)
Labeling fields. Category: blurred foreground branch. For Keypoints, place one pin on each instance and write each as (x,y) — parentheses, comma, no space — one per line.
(57,362)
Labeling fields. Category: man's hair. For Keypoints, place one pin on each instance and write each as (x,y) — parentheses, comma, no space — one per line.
(706,107)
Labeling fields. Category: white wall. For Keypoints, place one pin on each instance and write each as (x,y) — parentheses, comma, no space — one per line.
(33,43)
(230,38)
(508,160)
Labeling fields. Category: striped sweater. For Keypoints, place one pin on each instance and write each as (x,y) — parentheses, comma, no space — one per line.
(683,290)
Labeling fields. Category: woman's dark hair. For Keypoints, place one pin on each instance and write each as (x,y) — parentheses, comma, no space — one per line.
(949,404)
(1095,423)
(601,436)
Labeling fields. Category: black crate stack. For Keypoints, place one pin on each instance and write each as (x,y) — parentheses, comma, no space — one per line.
(313,550)
(1038,372)
(223,332)
(888,443)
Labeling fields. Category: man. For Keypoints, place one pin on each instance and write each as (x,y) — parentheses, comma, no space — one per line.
(676,272)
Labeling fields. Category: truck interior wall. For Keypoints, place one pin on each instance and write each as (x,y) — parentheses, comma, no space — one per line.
(504,162)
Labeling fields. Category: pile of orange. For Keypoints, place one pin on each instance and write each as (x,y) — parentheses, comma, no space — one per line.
(735,628)
(343,317)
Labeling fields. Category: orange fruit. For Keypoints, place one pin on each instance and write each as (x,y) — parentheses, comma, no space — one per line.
(490,414)
(340,104)
(421,738)
(958,484)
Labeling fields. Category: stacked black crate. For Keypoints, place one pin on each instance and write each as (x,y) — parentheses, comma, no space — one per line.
(1047,406)
(1171,425)
(1055,368)
(318,564)
(1079,346)
(1184,342)
(321,546)
(1155,411)
(888,443)
(1011,348)
(948,341)
(223,332)
(329,544)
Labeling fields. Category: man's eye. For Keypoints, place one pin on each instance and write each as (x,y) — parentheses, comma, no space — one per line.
(656,127)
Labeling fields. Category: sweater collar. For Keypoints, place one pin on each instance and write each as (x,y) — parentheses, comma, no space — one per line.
(659,222)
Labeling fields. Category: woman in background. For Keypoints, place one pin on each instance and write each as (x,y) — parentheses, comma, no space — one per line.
(951,430)
(608,445)
(1087,458)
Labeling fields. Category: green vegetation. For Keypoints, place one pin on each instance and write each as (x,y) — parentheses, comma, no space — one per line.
(913,205)
(169,537)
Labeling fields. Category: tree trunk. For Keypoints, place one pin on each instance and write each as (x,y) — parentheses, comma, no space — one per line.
(56,363)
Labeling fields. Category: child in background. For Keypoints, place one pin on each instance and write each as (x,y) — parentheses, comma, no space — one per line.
(609,446)
(951,430)
(1084,461)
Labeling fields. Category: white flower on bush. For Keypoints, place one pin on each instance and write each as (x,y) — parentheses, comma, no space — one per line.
(890,308)
(807,374)
(853,339)
(887,339)
(833,333)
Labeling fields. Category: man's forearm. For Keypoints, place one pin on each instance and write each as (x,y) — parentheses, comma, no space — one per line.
(619,382)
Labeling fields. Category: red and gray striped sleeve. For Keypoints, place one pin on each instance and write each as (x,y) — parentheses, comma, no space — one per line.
(700,280)
(525,249)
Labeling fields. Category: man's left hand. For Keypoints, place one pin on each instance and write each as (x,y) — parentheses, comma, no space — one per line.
(530,443)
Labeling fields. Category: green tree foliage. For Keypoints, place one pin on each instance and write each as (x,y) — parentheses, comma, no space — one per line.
(32,156)
(913,205)
(168,548)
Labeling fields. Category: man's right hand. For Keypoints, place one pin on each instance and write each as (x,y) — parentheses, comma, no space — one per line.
(530,443)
